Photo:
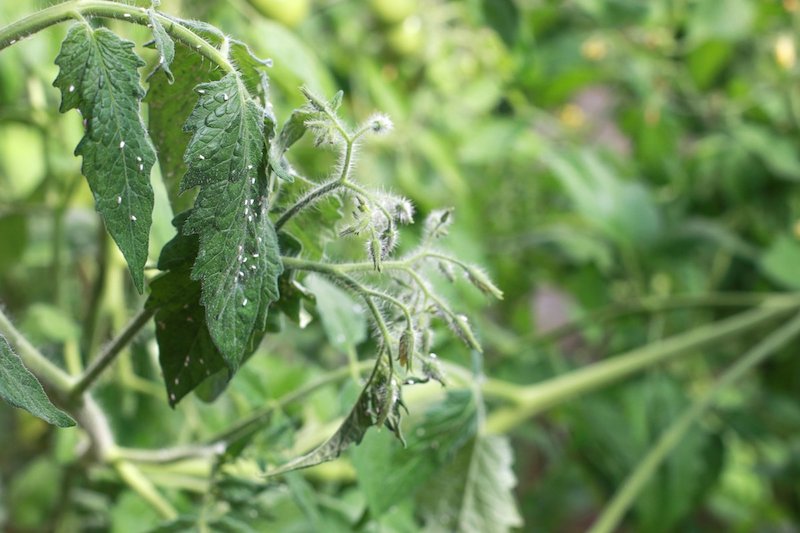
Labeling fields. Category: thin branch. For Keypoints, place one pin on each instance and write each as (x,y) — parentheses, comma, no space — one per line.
(111,351)
(134,478)
(555,391)
(55,14)
(613,514)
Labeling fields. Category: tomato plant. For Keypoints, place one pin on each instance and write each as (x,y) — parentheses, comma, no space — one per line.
(235,322)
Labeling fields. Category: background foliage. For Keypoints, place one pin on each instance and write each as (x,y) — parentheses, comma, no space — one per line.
(629,169)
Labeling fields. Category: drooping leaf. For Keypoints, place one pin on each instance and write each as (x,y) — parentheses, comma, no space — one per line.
(378,404)
(238,263)
(21,389)
(187,354)
(474,493)
(164,44)
(169,106)
(342,318)
(99,76)
(389,473)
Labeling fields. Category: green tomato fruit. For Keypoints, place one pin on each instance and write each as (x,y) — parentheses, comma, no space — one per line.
(393,11)
(406,39)
(288,12)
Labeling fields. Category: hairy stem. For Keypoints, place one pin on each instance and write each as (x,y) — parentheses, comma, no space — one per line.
(306,200)
(111,351)
(321,191)
(541,396)
(613,514)
(55,14)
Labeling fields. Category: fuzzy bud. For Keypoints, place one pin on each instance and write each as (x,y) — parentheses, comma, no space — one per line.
(380,124)
(406,348)
(314,101)
(460,326)
(376,252)
(480,280)
(437,222)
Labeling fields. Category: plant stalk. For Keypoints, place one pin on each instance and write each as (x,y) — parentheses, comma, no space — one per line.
(613,514)
(541,396)
(55,14)
(111,351)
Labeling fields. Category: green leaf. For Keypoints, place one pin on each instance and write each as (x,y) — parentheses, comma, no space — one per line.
(388,472)
(21,389)
(187,355)
(378,404)
(781,262)
(238,263)
(164,44)
(169,106)
(342,318)
(474,493)
(99,77)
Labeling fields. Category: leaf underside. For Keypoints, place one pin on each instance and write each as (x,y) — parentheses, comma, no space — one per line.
(99,76)
(474,493)
(376,404)
(168,106)
(21,389)
(238,262)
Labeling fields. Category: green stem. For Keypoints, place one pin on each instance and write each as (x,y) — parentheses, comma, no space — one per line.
(55,14)
(322,190)
(654,304)
(111,351)
(34,360)
(138,482)
(539,397)
(307,199)
(613,514)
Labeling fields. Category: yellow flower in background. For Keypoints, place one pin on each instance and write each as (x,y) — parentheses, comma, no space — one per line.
(572,116)
(784,50)
(594,48)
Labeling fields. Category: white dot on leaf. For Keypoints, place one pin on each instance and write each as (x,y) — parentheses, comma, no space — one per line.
(119,200)
(133,218)
(71,88)
(202,157)
(121,145)
(244,302)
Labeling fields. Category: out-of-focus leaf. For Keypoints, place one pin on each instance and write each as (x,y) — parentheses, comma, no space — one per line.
(342,318)
(781,262)
(777,152)
(624,211)
(45,323)
(14,229)
(293,58)
(21,389)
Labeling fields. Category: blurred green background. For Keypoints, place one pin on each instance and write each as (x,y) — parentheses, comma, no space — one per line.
(634,165)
